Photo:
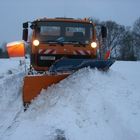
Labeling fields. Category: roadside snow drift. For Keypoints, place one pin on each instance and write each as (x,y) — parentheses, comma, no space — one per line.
(89,104)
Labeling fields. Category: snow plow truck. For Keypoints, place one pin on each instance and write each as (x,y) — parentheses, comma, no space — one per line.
(59,47)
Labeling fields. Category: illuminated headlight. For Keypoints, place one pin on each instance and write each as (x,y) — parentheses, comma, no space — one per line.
(36,42)
(93,44)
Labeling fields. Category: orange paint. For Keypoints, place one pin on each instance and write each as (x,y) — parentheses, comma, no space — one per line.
(34,84)
(16,49)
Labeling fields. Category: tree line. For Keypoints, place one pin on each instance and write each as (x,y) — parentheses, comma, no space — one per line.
(3,51)
(124,42)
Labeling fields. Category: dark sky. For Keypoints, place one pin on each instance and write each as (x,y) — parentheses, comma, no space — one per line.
(14,12)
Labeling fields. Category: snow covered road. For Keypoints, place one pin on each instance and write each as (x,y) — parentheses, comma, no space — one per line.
(89,104)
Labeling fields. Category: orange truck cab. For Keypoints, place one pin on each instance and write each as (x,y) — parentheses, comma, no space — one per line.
(56,38)
(59,46)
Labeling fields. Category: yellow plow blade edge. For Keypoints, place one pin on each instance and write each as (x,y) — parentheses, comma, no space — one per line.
(34,84)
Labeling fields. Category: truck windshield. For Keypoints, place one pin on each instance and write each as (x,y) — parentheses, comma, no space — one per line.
(65,32)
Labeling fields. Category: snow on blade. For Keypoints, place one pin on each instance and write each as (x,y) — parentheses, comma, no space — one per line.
(89,104)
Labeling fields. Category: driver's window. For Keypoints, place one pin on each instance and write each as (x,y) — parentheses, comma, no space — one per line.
(50,30)
(71,30)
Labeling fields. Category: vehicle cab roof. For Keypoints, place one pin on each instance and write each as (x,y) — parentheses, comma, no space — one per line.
(63,19)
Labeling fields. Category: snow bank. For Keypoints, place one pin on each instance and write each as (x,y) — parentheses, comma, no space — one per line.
(10,100)
(11,66)
(11,78)
(89,104)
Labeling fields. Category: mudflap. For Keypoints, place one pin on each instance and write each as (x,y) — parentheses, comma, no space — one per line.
(34,84)
(69,65)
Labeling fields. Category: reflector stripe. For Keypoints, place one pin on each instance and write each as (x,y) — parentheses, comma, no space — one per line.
(77,52)
(88,52)
(41,51)
(47,51)
(82,52)
(74,53)
(53,51)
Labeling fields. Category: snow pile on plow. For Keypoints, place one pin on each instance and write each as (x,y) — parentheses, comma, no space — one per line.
(89,104)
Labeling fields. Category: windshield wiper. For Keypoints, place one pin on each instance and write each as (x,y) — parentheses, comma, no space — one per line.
(59,40)
(77,42)
(54,42)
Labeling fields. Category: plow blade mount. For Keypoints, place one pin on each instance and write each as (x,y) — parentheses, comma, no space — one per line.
(68,65)
(34,84)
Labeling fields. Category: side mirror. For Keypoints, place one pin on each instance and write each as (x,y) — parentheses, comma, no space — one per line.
(25,34)
(104,31)
(25,25)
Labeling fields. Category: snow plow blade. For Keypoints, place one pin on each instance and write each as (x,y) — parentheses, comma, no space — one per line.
(69,65)
(34,84)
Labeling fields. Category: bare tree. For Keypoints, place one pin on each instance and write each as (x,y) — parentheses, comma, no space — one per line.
(115,34)
(136,33)
(127,49)
(3,51)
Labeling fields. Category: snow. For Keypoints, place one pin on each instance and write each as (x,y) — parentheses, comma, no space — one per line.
(12,65)
(89,104)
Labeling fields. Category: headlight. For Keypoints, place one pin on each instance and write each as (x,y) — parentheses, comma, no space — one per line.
(36,42)
(93,44)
